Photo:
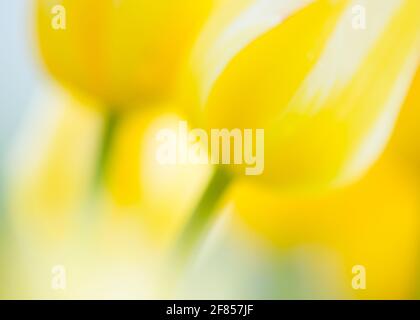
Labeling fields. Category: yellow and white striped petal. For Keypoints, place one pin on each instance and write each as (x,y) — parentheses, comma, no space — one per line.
(326,92)
(233,26)
(340,119)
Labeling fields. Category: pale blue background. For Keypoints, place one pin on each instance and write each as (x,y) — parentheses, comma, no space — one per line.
(19,75)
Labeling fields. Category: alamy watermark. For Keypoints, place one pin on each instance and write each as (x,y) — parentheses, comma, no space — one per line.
(359,17)
(59,19)
(218,146)
(59,277)
(358,281)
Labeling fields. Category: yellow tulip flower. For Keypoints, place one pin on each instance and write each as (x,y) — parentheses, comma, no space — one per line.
(118,50)
(52,161)
(373,223)
(325,89)
(231,31)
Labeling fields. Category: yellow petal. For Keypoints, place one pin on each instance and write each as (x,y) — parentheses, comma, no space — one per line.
(405,142)
(326,94)
(373,223)
(119,50)
(340,119)
(232,27)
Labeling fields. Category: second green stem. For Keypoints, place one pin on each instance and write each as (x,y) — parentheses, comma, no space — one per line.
(201,216)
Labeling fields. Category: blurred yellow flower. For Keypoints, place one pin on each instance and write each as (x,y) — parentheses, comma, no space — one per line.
(119,50)
(373,223)
(326,93)
(141,210)
(51,163)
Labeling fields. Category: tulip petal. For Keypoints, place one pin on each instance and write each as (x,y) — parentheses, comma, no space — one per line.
(272,61)
(235,25)
(344,112)
(326,93)
(405,141)
(120,51)
(373,223)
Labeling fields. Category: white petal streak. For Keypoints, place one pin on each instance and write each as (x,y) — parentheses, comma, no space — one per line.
(378,137)
(345,53)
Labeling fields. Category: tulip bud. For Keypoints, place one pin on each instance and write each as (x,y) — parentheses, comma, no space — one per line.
(118,50)
(325,92)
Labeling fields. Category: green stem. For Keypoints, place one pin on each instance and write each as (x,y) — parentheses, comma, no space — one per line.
(201,216)
(102,161)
